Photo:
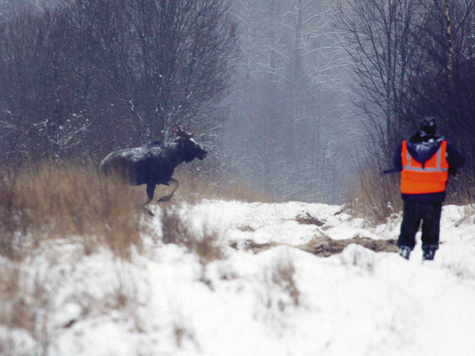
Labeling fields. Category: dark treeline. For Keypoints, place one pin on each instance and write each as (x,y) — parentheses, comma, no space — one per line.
(83,77)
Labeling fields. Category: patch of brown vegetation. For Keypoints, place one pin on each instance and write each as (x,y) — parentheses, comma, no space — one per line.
(196,185)
(325,246)
(254,246)
(308,219)
(283,275)
(206,246)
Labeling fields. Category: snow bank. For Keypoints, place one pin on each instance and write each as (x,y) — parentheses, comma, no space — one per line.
(282,301)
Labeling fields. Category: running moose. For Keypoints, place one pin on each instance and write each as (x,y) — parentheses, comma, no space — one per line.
(154,162)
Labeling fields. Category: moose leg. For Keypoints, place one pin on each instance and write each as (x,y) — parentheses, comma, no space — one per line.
(174,183)
(150,192)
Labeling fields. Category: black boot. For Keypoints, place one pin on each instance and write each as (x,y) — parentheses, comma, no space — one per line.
(404,252)
(428,253)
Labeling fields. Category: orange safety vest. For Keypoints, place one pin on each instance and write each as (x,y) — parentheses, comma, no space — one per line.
(431,178)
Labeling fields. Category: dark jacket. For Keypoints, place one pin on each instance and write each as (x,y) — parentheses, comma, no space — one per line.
(422,147)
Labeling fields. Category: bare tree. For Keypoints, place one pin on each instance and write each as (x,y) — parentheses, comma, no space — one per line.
(382,46)
(173,57)
(379,38)
(408,57)
(442,81)
(104,74)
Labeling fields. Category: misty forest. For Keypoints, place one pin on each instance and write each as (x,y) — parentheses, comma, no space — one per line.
(301,99)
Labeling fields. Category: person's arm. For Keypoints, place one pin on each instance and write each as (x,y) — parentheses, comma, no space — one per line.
(454,158)
(397,159)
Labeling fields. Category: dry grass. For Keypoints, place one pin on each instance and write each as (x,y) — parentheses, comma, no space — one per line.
(54,201)
(376,197)
(283,275)
(29,293)
(326,247)
(26,306)
(464,196)
(205,245)
(11,292)
(278,292)
(195,186)
(67,203)
(308,219)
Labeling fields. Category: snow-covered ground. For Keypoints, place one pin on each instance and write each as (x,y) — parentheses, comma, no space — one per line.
(281,301)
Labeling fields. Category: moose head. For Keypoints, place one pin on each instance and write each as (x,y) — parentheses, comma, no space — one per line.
(191,148)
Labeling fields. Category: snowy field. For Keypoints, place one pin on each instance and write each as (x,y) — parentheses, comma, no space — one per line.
(281,301)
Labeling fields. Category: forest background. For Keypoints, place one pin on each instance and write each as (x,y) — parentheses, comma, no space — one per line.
(300,99)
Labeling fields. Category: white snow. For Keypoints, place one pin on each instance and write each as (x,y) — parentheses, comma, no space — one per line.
(355,303)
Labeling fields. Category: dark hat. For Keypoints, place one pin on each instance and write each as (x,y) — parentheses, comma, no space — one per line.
(429,125)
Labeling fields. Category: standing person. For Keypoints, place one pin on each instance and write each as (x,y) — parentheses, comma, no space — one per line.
(425,161)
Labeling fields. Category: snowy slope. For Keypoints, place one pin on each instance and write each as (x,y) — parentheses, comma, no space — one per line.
(164,302)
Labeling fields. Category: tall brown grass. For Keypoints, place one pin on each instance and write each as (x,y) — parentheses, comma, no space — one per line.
(56,201)
(195,186)
(377,196)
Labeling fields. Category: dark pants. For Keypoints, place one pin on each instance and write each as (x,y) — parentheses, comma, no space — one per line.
(413,213)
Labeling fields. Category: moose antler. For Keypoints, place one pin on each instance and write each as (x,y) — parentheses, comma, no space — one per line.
(182,132)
